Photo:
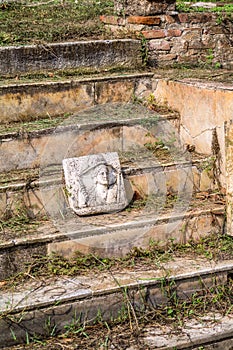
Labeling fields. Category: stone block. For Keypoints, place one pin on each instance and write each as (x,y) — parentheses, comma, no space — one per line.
(91,55)
(144,7)
(154,34)
(113,243)
(174,32)
(167,58)
(157,295)
(33,201)
(192,34)
(169,19)
(208,41)
(200,17)
(162,45)
(114,20)
(183,17)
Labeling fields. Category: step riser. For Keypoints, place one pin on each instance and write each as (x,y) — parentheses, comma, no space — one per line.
(119,243)
(112,241)
(171,179)
(99,54)
(30,102)
(45,147)
(108,306)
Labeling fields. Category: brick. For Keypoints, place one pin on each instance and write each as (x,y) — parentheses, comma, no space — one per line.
(174,32)
(114,20)
(147,20)
(154,34)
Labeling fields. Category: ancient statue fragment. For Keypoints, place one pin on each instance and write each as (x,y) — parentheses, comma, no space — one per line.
(94,183)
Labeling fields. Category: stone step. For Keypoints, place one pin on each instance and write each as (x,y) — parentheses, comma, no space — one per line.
(211,332)
(144,172)
(31,99)
(112,234)
(25,310)
(110,127)
(93,55)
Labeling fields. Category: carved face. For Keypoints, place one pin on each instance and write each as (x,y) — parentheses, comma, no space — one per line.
(102,175)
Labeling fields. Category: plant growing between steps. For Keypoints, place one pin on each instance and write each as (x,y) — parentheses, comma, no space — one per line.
(144,50)
(214,247)
(18,218)
(127,330)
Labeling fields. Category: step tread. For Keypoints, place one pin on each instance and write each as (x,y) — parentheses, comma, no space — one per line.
(45,231)
(70,76)
(136,162)
(197,333)
(42,292)
(99,115)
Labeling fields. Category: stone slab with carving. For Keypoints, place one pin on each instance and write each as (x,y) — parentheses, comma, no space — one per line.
(95,184)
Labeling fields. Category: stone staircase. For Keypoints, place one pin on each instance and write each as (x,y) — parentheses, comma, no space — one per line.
(172,192)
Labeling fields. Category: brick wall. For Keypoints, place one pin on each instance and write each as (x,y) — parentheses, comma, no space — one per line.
(180,38)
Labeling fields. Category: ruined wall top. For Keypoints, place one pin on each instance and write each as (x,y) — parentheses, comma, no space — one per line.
(143,7)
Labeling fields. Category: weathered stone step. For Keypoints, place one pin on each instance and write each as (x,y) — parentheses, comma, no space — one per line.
(32,100)
(95,54)
(210,332)
(103,128)
(145,172)
(112,234)
(26,310)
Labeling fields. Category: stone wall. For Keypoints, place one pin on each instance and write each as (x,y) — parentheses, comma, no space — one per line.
(143,7)
(84,55)
(204,109)
(176,38)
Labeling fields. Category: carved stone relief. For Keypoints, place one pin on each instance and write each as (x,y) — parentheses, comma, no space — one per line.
(94,183)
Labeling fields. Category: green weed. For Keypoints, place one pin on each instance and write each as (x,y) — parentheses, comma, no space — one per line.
(186,6)
(76,327)
(144,50)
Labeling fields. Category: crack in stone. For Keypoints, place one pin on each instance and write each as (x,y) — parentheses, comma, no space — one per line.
(202,132)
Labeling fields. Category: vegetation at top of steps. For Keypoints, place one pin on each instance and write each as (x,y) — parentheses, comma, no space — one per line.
(221,6)
(181,71)
(36,22)
(51,21)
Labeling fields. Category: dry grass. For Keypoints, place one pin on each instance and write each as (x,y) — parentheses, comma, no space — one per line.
(52,21)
